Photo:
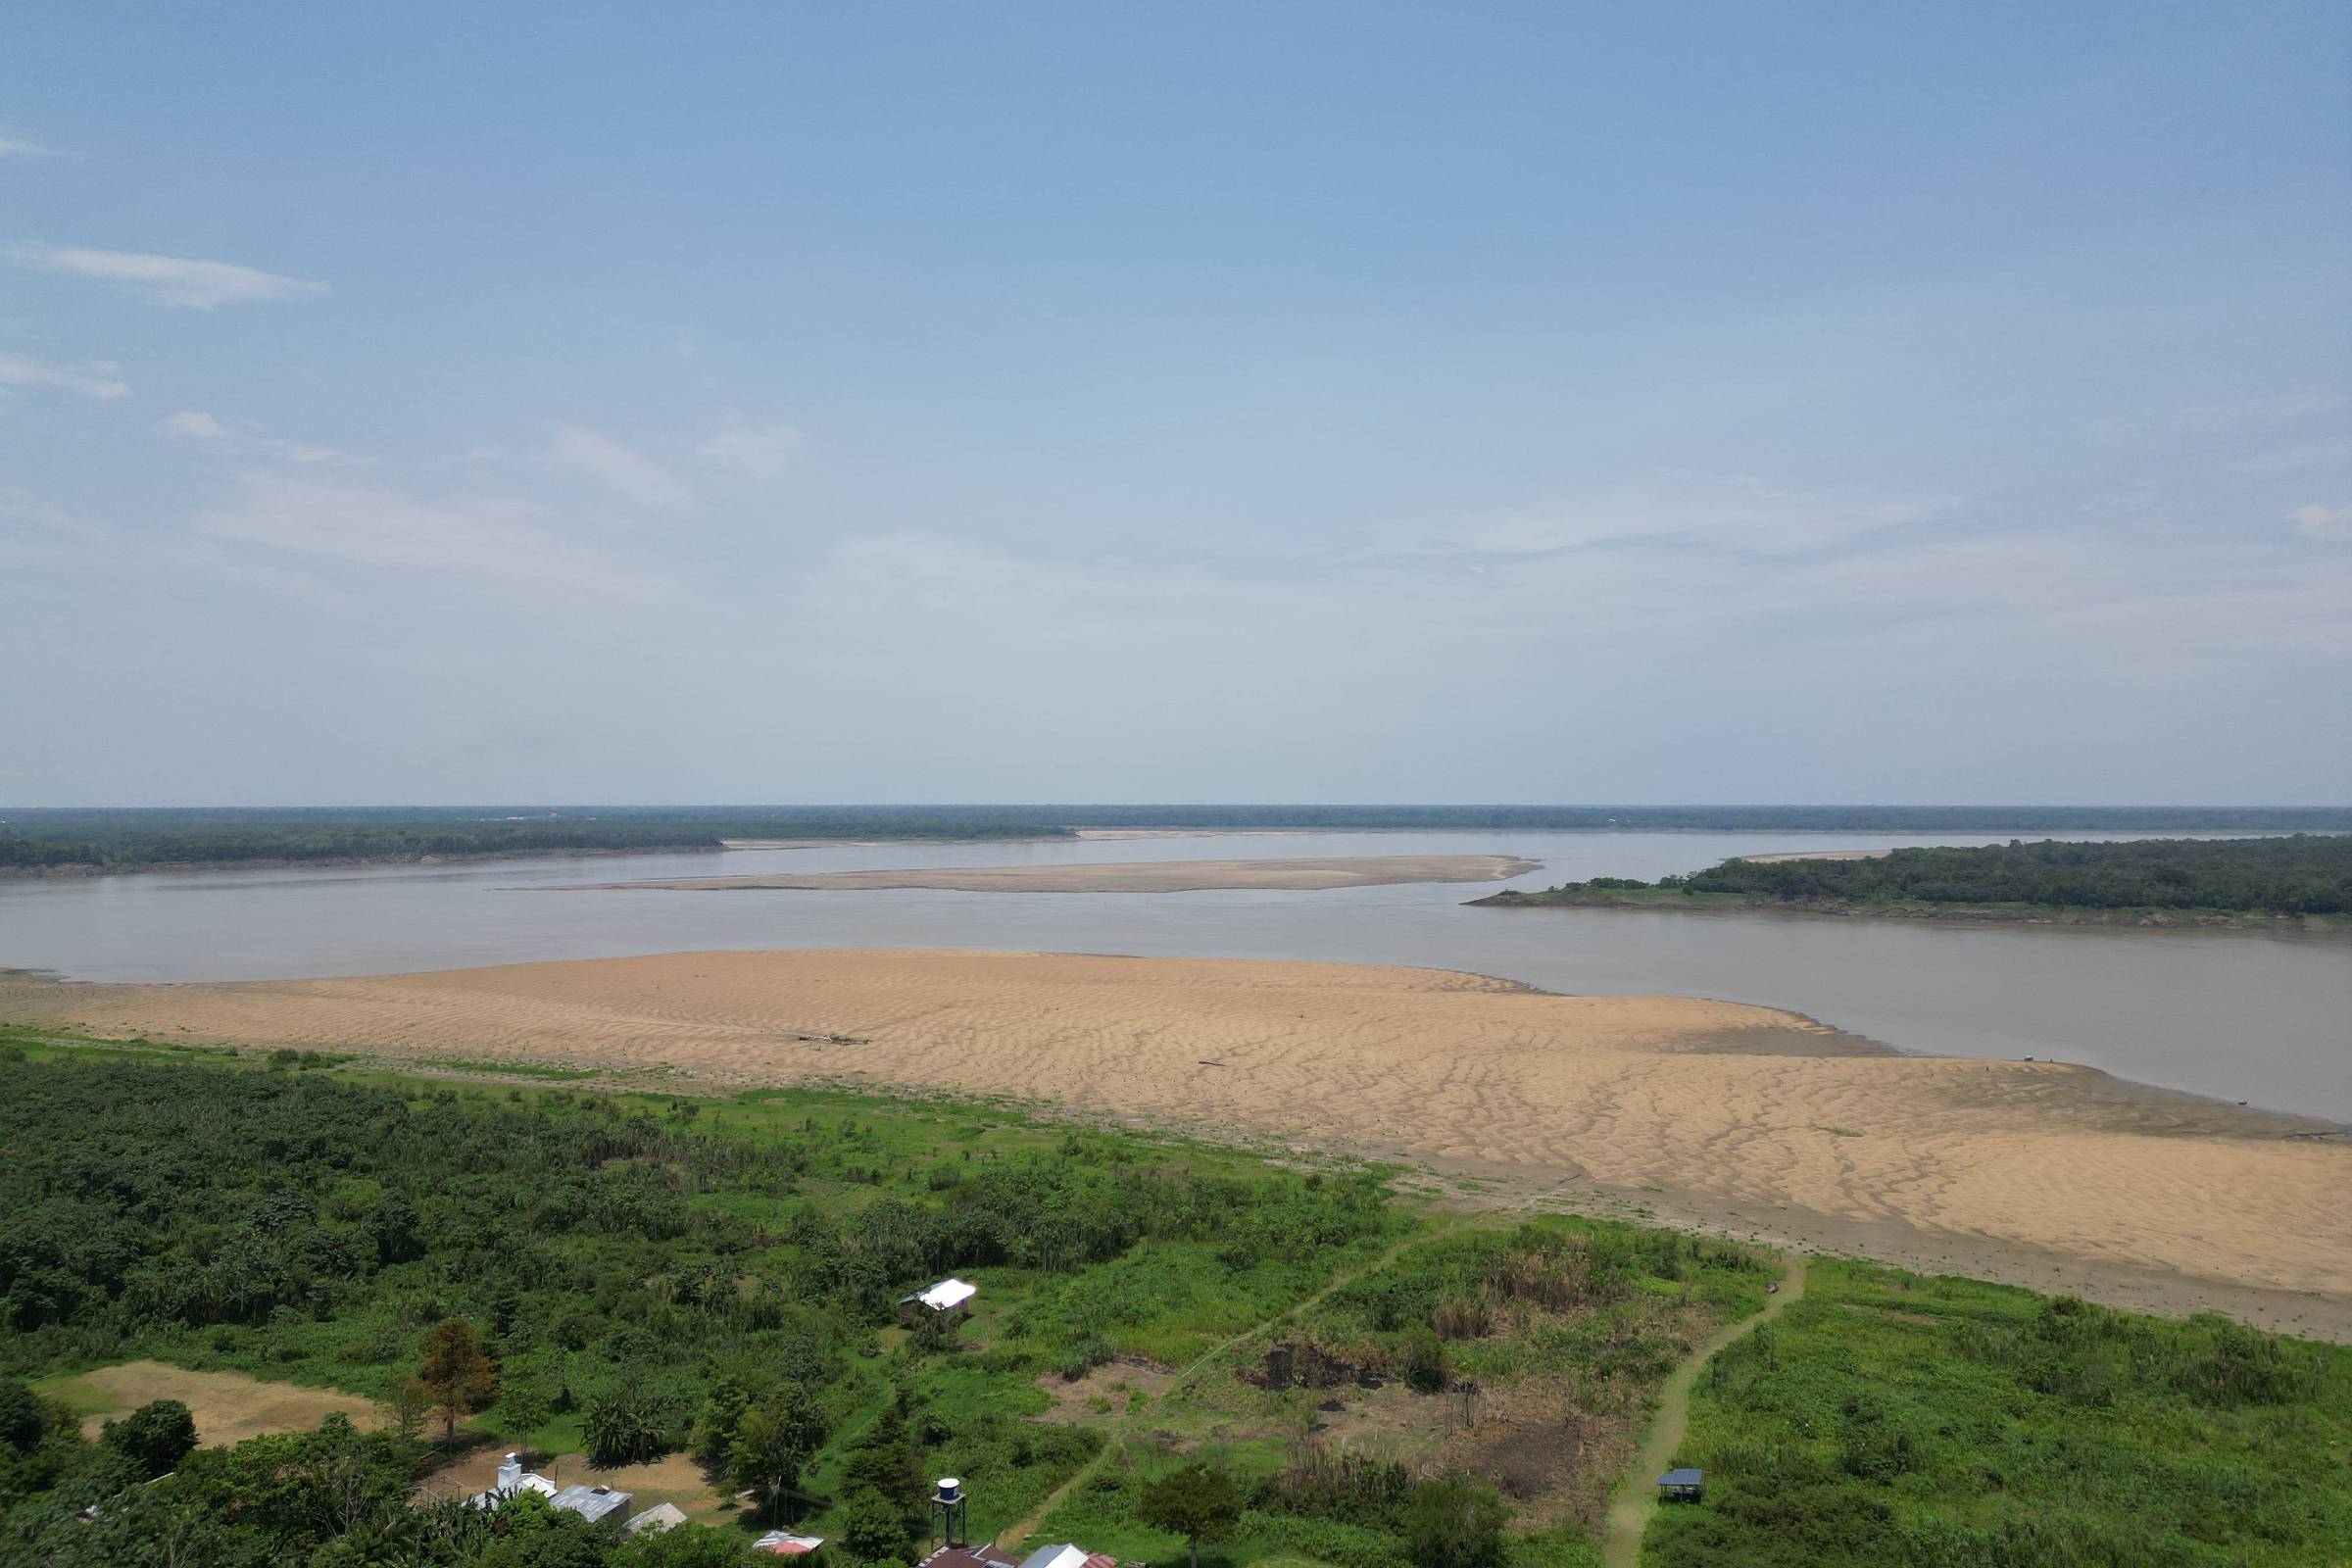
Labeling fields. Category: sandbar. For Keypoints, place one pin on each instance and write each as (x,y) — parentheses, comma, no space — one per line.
(1127,877)
(1707,1112)
(1817,855)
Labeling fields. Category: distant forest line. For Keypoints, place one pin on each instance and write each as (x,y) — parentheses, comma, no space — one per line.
(2301,875)
(66,839)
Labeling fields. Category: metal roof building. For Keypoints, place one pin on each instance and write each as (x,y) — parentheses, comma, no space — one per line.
(591,1503)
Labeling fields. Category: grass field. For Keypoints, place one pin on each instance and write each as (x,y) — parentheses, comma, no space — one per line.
(229,1407)
(1894,1418)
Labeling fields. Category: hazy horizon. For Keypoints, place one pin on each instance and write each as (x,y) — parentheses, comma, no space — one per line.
(1492,402)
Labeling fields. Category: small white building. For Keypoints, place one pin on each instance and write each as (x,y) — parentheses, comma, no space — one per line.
(592,1504)
(513,1479)
(946,1299)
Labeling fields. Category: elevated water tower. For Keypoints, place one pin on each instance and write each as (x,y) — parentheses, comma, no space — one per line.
(947,1512)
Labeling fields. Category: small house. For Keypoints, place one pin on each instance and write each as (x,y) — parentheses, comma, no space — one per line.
(943,1302)
(1066,1555)
(513,1479)
(1684,1484)
(592,1504)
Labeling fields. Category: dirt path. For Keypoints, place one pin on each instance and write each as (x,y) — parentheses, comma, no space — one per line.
(1636,1494)
(1016,1535)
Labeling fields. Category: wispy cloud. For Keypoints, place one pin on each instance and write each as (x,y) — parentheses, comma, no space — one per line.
(2323,522)
(1728,512)
(762,451)
(189,424)
(617,467)
(35,533)
(181,281)
(92,378)
(13,145)
(460,540)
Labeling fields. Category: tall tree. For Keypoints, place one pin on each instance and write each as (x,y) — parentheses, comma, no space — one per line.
(455,1371)
(522,1409)
(1455,1522)
(1196,1502)
(773,1440)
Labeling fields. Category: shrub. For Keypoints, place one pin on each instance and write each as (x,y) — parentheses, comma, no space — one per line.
(1455,1522)
(1462,1317)
(155,1437)
(1426,1369)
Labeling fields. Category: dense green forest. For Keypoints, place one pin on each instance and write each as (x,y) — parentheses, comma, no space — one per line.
(1174,1344)
(126,839)
(2297,874)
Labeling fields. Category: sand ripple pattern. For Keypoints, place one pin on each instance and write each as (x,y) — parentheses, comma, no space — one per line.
(1718,1110)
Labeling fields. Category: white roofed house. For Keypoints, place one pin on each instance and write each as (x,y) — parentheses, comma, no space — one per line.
(513,1479)
(943,1302)
(592,1504)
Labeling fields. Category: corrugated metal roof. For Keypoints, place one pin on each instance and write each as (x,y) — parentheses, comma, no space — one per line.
(784,1544)
(590,1502)
(946,1294)
(659,1517)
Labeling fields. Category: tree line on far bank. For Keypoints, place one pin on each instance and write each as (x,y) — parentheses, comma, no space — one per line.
(128,838)
(2297,874)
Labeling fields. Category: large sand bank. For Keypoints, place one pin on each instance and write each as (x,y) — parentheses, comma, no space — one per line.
(1135,876)
(2054,1176)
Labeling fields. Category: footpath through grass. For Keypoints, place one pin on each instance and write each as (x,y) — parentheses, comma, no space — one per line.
(1889,1419)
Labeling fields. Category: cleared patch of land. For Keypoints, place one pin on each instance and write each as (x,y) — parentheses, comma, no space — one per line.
(1707,1112)
(674,1478)
(229,1407)
(1136,877)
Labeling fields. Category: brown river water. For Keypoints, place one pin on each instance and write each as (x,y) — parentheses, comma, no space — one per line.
(2260,1018)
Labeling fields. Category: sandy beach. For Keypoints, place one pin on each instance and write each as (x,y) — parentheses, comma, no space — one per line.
(1817,855)
(1133,876)
(1699,1111)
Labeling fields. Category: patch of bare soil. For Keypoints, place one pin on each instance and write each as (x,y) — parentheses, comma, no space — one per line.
(673,1478)
(1552,1443)
(229,1407)
(1105,1391)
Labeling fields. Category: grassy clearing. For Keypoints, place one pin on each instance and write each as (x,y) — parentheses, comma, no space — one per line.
(1524,1355)
(229,1407)
(1889,1418)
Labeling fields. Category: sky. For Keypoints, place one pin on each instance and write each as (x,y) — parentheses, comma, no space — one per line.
(1068,401)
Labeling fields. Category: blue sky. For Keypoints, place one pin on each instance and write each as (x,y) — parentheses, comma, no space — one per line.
(1061,402)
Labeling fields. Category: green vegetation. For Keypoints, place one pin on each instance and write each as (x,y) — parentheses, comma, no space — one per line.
(1899,1422)
(127,839)
(1491,1372)
(671,1274)
(1173,1345)
(2300,876)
